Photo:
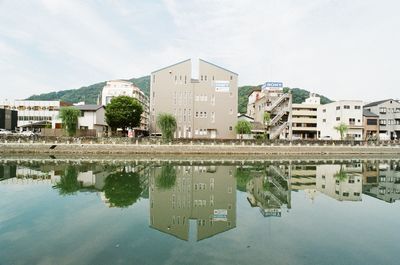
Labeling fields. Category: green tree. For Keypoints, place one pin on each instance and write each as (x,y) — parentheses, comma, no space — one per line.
(166,179)
(122,189)
(267,117)
(69,118)
(123,112)
(342,128)
(167,124)
(69,183)
(243,127)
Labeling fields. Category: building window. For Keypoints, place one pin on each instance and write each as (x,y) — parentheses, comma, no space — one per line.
(382,122)
(337,107)
(382,110)
(231,77)
(338,118)
(346,107)
(324,110)
(352,121)
(201,78)
(230,128)
(357,107)
(372,121)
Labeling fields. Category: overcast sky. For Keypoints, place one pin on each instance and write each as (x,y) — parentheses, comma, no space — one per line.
(344,49)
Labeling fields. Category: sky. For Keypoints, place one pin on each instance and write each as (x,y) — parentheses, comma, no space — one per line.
(343,49)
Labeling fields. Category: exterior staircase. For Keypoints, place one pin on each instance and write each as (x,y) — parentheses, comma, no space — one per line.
(277,131)
(277,102)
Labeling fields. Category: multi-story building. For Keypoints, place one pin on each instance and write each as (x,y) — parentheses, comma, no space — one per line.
(304,118)
(203,194)
(389,116)
(205,107)
(32,113)
(115,88)
(252,98)
(371,125)
(278,105)
(348,112)
(8,119)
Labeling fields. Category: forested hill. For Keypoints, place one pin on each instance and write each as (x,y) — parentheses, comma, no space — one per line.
(89,94)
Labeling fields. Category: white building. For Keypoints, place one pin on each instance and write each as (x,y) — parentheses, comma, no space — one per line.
(349,112)
(92,118)
(115,88)
(31,112)
(304,118)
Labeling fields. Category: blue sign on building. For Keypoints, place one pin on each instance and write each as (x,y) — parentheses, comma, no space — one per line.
(272,84)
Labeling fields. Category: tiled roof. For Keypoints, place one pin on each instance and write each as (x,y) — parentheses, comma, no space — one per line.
(368,113)
(375,103)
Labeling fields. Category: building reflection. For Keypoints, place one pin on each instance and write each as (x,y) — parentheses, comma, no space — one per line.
(269,190)
(192,202)
(382,180)
(342,182)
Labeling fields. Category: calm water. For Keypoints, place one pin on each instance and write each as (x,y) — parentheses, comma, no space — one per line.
(200,212)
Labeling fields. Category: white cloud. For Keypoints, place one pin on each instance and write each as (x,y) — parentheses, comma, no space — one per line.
(343,49)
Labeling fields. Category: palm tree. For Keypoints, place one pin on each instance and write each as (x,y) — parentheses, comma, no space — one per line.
(342,128)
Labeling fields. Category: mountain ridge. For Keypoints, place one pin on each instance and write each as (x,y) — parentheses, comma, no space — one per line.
(89,94)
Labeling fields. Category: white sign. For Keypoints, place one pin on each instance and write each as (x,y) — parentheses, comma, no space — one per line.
(220,215)
(221,86)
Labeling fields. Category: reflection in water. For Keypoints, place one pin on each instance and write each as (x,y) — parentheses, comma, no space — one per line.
(181,194)
(194,201)
(122,189)
(68,183)
(269,189)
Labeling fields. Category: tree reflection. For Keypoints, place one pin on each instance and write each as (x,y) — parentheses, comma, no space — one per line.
(69,183)
(166,179)
(122,189)
(341,175)
(243,175)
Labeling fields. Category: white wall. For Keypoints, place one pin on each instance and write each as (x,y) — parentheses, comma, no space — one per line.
(327,118)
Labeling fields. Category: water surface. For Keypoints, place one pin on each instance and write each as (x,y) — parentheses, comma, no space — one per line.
(199,212)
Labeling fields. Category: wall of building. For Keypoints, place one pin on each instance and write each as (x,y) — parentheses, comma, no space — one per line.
(389,117)
(201,109)
(348,112)
(31,111)
(8,119)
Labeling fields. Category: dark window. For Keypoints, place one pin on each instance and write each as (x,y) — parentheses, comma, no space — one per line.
(372,122)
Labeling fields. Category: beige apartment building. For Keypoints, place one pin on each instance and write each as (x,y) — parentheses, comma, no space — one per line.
(205,106)
(304,118)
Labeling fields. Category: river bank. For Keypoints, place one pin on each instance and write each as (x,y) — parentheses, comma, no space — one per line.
(195,149)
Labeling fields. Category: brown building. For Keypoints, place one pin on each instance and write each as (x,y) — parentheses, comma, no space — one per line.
(371,125)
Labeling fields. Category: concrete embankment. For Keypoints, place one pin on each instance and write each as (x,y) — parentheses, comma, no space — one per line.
(182,149)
